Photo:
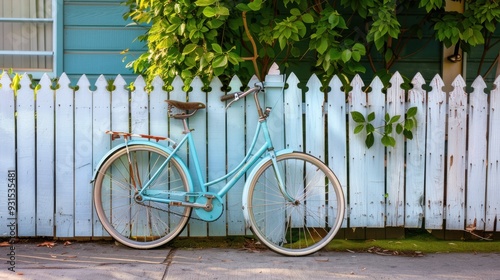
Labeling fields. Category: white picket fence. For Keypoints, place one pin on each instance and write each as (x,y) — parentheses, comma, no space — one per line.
(447,177)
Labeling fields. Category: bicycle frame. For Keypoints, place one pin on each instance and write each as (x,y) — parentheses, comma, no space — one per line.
(248,161)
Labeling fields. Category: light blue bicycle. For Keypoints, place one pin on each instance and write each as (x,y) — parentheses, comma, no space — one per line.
(144,193)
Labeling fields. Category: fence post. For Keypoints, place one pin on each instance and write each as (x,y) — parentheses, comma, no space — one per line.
(274,84)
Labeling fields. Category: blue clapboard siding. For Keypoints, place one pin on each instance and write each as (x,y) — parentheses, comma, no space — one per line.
(95,34)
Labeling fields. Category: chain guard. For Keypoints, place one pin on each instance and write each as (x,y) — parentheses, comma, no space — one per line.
(214,209)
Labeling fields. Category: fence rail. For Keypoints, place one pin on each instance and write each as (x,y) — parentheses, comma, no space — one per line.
(447,177)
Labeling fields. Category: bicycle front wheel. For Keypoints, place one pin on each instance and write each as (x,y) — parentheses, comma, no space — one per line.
(307,223)
(132,222)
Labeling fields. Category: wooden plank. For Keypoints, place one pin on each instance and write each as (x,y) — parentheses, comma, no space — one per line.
(139,104)
(235,125)
(435,155)
(315,145)
(337,135)
(7,154)
(83,158)
(251,119)
(158,115)
(374,187)
(456,153)
(216,145)
(45,132)
(415,157)
(26,189)
(110,62)
(175,126)
(396,157)
(101,143)
(293,115)
(274,100)
(102,38)
(477,156)
(492,193)
(65,160)
(357,158)
(94,13)
(198,122)
(120,110)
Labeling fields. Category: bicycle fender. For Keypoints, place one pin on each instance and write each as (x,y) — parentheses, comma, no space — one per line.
(147,143)
(246,215)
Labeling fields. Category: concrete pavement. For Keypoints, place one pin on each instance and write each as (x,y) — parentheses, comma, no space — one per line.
(106,260)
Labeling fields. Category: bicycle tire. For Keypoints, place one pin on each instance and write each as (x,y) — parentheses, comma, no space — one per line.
(306,225)
(141,225)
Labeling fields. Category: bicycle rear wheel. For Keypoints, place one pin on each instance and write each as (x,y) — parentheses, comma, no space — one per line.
(305,225)
(137,224)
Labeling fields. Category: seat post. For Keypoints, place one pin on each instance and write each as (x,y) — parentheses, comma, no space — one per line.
(186,128)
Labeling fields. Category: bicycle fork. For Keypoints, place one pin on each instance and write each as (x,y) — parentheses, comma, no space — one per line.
(279,178)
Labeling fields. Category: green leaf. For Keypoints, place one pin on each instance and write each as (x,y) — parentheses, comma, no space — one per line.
(399,128)
(371,116)
(202,3)
(346,55)
(411,112)
(295,12)
(220,61)
(359,128)
(370,140)
(370,128)
(323,46)
(358,117)
(408,134)
(388,141)
(189,49)
(307,18)
(243,7)
(395,119)
(255,5)
(222,11)
(209,12)
(217,48)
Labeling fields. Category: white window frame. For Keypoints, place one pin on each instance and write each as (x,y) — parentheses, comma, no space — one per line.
(56,41)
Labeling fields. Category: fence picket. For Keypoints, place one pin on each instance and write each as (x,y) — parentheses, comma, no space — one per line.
(175,125)
(235,125)
(197,227)
(7,155)
(83,158)
(374,196)
(101,143)
(64,160)
(415,157)
(337,144)
(395,157)
(435,155)
(45,119)
(139,105)
(293,112)
(216,158)
(492,192)
(357,158)
(158,115)
(476,168)
(457,133)
(26,190)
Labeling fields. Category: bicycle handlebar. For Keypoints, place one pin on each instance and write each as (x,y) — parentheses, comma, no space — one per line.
(240,94)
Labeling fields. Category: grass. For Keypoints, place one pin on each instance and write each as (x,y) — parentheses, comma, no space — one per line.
(414,244)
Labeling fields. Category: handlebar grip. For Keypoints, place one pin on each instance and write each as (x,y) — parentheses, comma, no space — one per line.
(229,96)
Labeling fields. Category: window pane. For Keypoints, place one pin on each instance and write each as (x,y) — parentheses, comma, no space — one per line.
(26,27)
